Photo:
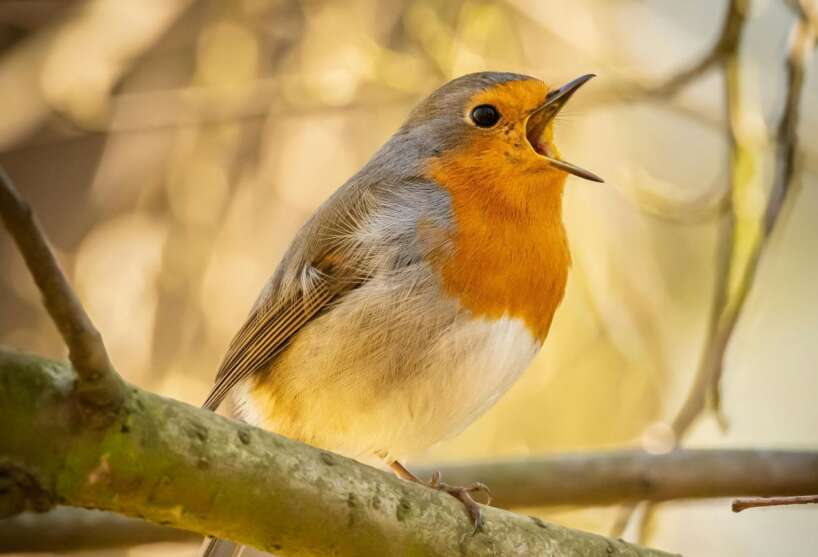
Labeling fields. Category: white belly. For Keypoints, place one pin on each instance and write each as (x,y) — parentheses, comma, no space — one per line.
(477,365)
(344,404)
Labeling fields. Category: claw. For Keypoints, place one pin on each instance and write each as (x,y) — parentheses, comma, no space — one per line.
(480,487)
(462,494)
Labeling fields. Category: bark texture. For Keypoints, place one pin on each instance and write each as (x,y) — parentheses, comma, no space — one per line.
(177,465)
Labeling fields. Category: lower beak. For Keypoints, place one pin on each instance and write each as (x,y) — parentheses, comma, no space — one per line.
(542,116)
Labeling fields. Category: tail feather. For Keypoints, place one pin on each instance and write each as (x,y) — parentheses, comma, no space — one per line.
(214,547)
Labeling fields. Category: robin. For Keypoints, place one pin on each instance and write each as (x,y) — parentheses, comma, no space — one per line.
(422,288)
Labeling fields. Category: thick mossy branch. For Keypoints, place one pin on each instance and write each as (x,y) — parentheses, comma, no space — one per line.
(174,464)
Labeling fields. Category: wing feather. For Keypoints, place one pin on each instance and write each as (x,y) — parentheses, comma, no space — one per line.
(265,334)
(365,228)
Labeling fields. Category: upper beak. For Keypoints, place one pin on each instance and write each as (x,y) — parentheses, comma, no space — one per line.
(539,119)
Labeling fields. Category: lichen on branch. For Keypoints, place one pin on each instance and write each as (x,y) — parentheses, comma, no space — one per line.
(178,465)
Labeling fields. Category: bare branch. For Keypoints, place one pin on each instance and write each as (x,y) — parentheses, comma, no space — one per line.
(604,478)
(623,516)
(98,383)
(725,46)
(70,529)
(718,335)
(727,308)
(802,42)
(751,502)
(725,53)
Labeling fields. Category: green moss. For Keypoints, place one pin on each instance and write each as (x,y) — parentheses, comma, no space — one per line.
(175,464)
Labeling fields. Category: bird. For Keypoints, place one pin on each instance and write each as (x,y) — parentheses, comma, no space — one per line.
(421,289)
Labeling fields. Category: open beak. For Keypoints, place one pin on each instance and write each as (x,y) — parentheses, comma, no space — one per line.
(539,119)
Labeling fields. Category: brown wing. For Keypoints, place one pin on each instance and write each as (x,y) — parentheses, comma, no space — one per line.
(266,333)
(332,258)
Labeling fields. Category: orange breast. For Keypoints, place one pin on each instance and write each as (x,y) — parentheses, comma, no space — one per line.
(510,253)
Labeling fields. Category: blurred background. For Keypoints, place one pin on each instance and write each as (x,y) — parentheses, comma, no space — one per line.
(173,147)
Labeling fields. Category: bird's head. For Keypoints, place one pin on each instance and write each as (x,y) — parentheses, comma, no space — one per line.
(493,126)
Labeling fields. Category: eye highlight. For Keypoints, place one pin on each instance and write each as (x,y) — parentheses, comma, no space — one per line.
(485,116)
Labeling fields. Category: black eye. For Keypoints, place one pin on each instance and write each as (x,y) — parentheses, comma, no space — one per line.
(485,116)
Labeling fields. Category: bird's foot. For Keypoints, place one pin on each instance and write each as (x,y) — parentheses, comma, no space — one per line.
(464,495)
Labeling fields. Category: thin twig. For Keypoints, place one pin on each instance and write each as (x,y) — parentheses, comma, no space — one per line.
(802,42)
(752,502)
(726,308)
(628,90)
(725,54)
(623,516)
(98,383)
(717,337)
(724,47)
